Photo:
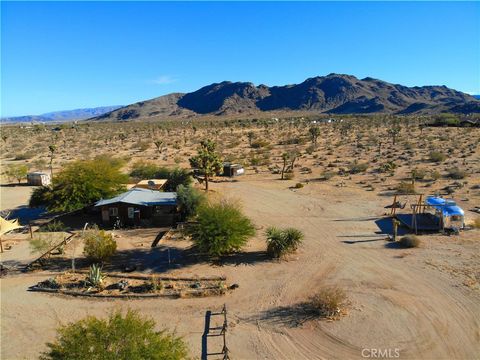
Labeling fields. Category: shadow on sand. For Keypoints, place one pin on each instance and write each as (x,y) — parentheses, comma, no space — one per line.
(156,260)
(290,316)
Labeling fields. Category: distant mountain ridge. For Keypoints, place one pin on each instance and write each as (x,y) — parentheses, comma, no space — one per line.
(334,94)
(65,115)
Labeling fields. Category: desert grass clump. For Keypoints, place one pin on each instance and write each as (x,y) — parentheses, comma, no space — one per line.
(329,301)
(476,223)
(409,241)
(457,173)
(282,241)
(436,156)
(406,188)
(356,167)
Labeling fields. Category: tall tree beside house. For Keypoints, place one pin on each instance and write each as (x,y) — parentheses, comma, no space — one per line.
(207,161)
(81,183)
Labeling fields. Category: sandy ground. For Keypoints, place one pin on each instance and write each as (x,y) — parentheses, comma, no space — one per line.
(423,302)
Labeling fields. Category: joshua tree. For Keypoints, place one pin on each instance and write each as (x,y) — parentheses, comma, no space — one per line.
(314,134)
(394,131)
(52,148)
(288,157)
(158,145)
(207,161)
(250,136)
(122,137)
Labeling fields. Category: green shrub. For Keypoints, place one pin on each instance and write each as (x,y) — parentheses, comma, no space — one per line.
(327,175)
(53,226)
(409,241)
(189,200)
(144,170)
(329,301)
(435,175)
(419,174)
(40,196)
(281,242)
(99,245)
(118,337)
(177,177)
(298,185)
(82,183)
(457,173)
(221,228)
(17,172)
(437,156)
(259,143)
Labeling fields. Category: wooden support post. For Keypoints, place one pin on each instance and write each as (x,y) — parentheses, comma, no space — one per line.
(395,228)
(30,229)
(392,212)
(1,245)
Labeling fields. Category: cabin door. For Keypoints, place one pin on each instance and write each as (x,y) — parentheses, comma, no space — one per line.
(105,215)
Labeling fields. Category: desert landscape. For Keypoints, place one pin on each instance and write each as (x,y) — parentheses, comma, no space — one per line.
(240,180)
(419,303)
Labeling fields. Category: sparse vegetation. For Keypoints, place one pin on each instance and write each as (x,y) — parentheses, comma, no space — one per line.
(437,156)
(128,336)
(329,301)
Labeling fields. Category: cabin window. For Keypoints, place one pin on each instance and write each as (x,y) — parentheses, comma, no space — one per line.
(113,211)
(456,218)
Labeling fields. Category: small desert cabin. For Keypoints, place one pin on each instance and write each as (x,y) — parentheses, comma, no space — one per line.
(232,169)
(38,179)
(139,206)
(450,214)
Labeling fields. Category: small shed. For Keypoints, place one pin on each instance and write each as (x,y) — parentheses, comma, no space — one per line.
(139,206)
(449,213)
(38,179)
(152,184)
(233,169)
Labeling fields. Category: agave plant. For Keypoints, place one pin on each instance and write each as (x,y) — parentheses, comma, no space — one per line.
(95,277)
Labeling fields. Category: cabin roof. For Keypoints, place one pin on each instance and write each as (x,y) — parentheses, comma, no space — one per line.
(142,197)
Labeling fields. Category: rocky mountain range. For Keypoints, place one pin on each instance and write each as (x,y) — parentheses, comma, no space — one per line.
(65,115)
(334,94)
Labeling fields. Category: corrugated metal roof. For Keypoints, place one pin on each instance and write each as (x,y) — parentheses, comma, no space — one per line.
(142,197)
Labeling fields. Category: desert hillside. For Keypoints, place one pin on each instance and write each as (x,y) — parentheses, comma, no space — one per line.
(334,94)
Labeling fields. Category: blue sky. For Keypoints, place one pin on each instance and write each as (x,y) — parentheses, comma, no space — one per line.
(66,55)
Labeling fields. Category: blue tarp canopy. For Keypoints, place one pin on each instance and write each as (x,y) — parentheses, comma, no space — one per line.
(447,207)
(142,197)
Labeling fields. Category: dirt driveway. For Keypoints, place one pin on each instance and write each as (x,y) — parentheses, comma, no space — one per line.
(417,302)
